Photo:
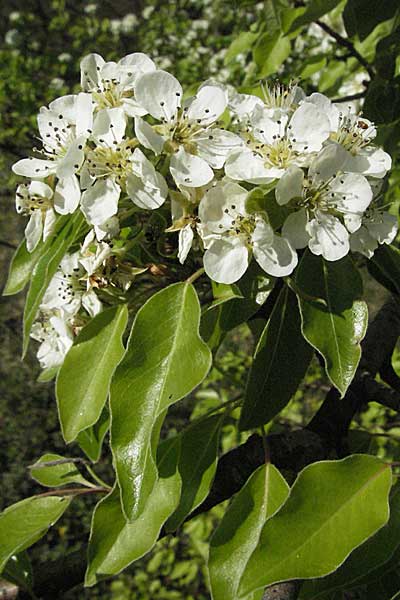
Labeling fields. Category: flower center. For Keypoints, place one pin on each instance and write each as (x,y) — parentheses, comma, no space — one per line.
(110,95)
(28,203)
(353,134)
(111,161)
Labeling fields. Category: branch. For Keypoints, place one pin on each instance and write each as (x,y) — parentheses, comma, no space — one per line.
(350,98)
(349,45)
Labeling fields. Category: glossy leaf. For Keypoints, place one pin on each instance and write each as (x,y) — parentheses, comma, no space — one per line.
(360,17)
(366,559)
(21,267)
(197,466)
(53,470)
(18,570)
(303,540)
(115,543)
(238,534)
(270,51)
(313,11)
(281,360)
(22,524)
(334,321)
(46,267)
(91,439)
(83,381)
(165,360)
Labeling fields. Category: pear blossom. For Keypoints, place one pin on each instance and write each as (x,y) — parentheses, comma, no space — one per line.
(55,336)
(36,200)
(189,131)
(115,164)
(274,141)
(231,235)
(112,84)
(64,128)
(378,227)
(329,204)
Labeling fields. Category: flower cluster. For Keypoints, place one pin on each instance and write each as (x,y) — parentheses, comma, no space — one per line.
(132,141)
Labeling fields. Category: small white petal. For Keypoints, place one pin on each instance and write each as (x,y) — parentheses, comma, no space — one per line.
(90,69)
(383,227)
(84,114)
(148,137)
(371,161)
(49,223)
(290,185)
(208,104)
(328,237)
(185,242)
(132,108)
(73,159)
(91,303)
(310,128)
(109,125)
(352,195)
(363,242)
(226,260)
(39,188)
(33,230)
(273,253)
(67,195)
(295,229)
(159,93)
(327,107)
(34,167)
(216,145)
(100,202)
(190,170)
(328,162)
(245,166)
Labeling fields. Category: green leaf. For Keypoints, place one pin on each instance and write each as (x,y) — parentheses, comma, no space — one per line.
(337,323)
(240,44)
(57,472)
(385,267)
(313,11)
(305,539)
(197,466)
(361,17)
(22,524)
(281,360)
(21,267)
(115,543)
(46,267)
(369,557)
(91,439)
(382,102)
(270,51)
(83,381)
(238,534)
(165,360)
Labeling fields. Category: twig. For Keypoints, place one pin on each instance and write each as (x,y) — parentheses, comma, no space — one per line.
(350,98)
(347,44)
(74,492)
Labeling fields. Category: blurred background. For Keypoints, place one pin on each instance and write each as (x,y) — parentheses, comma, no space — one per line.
(236,42)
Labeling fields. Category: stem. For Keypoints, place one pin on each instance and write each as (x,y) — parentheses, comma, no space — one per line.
(74,492)
(195,275)
(347,44)
(96,477)
(350,98)
(267,453)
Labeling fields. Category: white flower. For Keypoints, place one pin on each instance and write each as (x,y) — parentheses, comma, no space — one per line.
(113,84)
(324,199)
(107,230)
(231,235)
(274,142)
(36,200)
(115,165)
(189,132)
(56,338)
(70,288)
(64,128)
(378,227)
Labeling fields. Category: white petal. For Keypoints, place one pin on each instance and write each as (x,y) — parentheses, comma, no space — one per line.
(137,63)
(190,170)
(109,229)
(226,260)
(216,145)
(383,227)
(100,202)
(245,166)
(34,167)
(148,137)
(294,229)
(290,185)
(33,230)
(363,242)
(49,223)
(65,106)
(39,188)
(325,106)
(208,104)
(84,114)
(328,162)
(266,126)
(132,108)
(147,195)
(352,195)
(243,104)
(185,242)
(91,303)
(328,237)
(159,93)
(310,127)
(276,257)
(67,195)
(73,159)
(220,204)
(90,68)
(371,161)
(109,125)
